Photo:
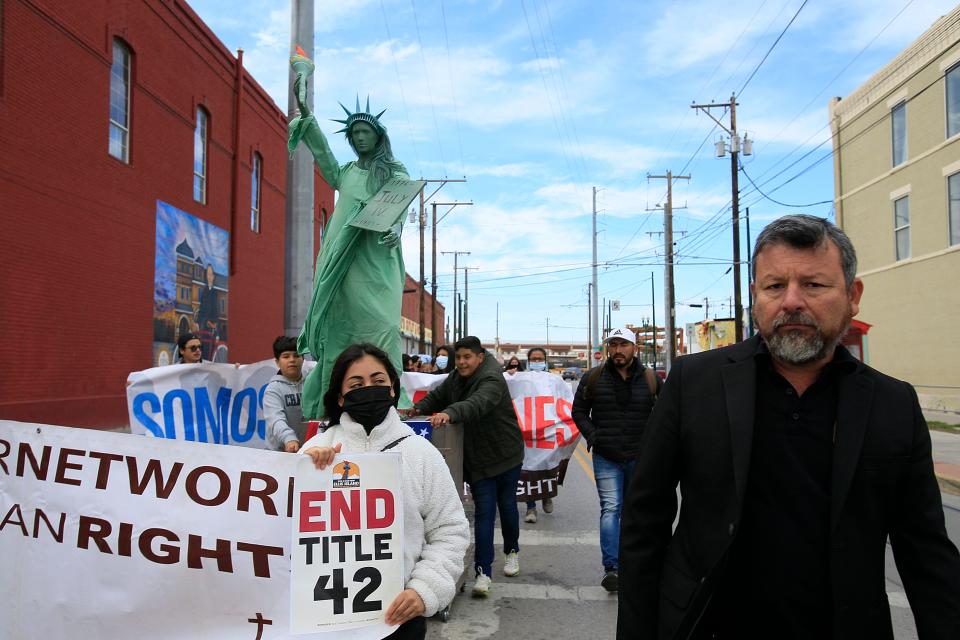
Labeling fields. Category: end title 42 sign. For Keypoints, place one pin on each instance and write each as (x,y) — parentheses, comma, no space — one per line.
(347,562)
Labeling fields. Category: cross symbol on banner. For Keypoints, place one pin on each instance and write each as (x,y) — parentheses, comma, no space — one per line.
(260,621)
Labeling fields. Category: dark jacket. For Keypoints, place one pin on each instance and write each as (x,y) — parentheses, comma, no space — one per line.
(882,484)
(492,441)
(611,429)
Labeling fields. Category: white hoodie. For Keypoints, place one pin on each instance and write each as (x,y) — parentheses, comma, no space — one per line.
(436,533)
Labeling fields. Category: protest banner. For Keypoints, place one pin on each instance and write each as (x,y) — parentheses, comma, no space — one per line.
(107,535)
(543,402)
(205,402)
(418,385)
(347,564)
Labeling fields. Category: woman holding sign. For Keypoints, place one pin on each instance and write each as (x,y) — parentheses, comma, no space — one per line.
(359,277)
(364,387)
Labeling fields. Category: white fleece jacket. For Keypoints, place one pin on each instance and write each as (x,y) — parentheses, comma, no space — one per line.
(436,533)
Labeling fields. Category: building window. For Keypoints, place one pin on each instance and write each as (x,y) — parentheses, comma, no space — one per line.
(200,157)
(120,102)
(901,226)
(898,117)
(953,207)
(255,193)
(953,101)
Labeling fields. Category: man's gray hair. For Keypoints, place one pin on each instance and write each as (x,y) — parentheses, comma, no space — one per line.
(802,231)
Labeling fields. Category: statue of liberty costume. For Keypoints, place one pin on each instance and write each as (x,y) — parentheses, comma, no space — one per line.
(359,277)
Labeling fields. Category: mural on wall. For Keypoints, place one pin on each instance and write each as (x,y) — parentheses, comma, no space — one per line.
(711,334)
(190,285)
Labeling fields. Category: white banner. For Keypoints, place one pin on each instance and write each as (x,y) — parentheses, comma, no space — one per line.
(105,535)
(417,385)
(206,402)
(347,544)
(543,402)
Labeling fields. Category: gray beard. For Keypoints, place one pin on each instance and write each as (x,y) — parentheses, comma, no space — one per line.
(797,347)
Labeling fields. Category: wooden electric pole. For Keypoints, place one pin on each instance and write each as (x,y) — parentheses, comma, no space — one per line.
(669,316)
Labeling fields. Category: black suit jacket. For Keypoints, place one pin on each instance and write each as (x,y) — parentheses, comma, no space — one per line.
(700,436)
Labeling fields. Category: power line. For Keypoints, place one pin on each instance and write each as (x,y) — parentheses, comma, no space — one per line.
(403,97)
(426,76)
(770,50)
(782,204)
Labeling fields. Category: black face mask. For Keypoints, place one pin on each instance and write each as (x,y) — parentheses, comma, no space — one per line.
(368,405)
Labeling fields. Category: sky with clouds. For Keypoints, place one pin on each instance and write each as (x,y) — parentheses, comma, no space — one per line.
(536,102)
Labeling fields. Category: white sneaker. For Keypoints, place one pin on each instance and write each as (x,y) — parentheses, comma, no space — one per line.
(531,516)
(511,566)
(481,587)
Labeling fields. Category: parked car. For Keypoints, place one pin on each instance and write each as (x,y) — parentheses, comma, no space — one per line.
(571,373)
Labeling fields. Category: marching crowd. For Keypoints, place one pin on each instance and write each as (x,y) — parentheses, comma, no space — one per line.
(796,464)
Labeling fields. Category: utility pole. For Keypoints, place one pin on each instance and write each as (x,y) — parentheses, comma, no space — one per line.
(653,318)
(595,311)
(749,276)
(735,195)
(496,342)
(433,260)
(589,325)
(423,283)
(548,333)
(465,319)
(456,300)
(300,254)
(670,337)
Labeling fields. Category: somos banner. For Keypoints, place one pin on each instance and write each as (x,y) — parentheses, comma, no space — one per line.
(206,402)
(104,535)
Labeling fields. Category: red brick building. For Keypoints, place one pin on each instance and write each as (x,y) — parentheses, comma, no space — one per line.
(101,108)
(410,319)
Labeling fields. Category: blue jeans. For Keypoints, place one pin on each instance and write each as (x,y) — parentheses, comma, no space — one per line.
(612,478)
(490,494)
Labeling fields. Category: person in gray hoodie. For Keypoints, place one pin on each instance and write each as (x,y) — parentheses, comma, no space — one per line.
(286,426)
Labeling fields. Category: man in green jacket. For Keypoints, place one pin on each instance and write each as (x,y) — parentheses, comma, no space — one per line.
(475,395)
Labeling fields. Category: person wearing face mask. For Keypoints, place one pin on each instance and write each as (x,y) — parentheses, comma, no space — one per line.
(537,361)
(444,359)
(513,366)
(360,404)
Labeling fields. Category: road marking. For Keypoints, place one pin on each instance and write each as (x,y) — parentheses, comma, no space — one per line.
(584,459)
(898,599)
(549,592)
(534,538)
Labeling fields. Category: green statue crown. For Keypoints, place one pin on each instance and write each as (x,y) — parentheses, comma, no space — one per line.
(361,116)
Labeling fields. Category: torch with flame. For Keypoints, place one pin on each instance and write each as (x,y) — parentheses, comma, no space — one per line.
(302,65)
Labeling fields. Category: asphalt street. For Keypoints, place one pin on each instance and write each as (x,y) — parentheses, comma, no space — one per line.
(558,595)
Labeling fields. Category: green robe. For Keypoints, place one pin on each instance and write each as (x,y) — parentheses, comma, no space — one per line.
(358,282)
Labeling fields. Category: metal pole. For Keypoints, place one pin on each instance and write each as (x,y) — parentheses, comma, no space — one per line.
(466,302)
(433,282)
(735,209)
(749,276)
(589,326)
(670,333)
(595,340)
(298,261)
(421,219)
(653,318)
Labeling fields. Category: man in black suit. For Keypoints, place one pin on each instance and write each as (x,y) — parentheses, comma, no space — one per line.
(795,463)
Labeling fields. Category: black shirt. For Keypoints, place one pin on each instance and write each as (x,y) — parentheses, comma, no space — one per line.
(777,578)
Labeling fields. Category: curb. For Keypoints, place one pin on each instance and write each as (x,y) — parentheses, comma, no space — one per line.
(948,484)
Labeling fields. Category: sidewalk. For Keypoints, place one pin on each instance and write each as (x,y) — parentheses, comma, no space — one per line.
(946,460)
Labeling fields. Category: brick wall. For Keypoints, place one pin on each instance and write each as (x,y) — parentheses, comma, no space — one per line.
(78,242)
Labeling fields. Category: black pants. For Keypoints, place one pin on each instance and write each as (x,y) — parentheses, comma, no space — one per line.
(415,629)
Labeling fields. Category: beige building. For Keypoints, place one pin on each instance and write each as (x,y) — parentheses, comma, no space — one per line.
(896,142)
